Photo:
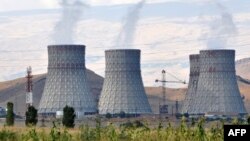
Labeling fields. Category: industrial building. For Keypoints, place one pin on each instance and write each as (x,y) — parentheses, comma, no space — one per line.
(66,82)
(123,89)
(217,90)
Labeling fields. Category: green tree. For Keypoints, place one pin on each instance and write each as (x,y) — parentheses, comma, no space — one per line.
(31,116)
(10,117)
(68,117)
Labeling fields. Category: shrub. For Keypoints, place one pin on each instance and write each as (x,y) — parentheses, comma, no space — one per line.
(10,117)
(31,116)
(7,135)
(68,117)
(128,124)
(193,121)
(248,120)
(134,124)
(108,115)
(138,124)
(122,114)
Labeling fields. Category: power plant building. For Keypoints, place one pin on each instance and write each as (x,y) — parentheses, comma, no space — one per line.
(217,89)
(123,89)
(66,82)
(188,105)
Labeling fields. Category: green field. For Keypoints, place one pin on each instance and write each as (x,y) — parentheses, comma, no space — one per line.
(196,130)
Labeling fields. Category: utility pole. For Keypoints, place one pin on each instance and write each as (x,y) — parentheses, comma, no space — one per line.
(29,87)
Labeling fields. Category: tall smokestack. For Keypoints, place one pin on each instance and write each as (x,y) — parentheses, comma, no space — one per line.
(188,105)
(123,89)
(66,82)
(217,90)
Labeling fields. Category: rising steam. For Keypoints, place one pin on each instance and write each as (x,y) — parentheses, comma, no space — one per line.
(127,34)
(64,28)
(221,29)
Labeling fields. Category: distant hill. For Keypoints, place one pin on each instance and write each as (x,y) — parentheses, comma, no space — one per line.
(14,90)
(243,68)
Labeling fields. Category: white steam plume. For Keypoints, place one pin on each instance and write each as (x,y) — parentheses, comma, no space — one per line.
(221,29)
(127,34)
(64,28)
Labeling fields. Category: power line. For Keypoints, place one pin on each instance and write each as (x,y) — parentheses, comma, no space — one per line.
(149,53)
(146,62)
(131,45)
(152,53)
(181,50)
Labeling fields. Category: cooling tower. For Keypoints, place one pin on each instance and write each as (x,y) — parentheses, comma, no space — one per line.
(123,87)
(66,82)
(188,106)
(217,90)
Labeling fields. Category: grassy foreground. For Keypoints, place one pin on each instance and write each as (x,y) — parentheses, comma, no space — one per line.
(130,131)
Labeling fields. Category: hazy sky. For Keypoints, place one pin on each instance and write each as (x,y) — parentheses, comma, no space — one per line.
(167,31)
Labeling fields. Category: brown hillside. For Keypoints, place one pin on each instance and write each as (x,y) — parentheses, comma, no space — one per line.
(243,68)
(14,90)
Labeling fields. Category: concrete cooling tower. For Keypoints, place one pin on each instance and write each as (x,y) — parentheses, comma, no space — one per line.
(123,89)
(188,106)
(66,82)
(217,90)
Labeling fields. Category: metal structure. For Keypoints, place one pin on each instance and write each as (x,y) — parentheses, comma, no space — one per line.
(163,107)
(123,89)
(163,81)
(66,82)
(29,87)
(217,90)
(188,104)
